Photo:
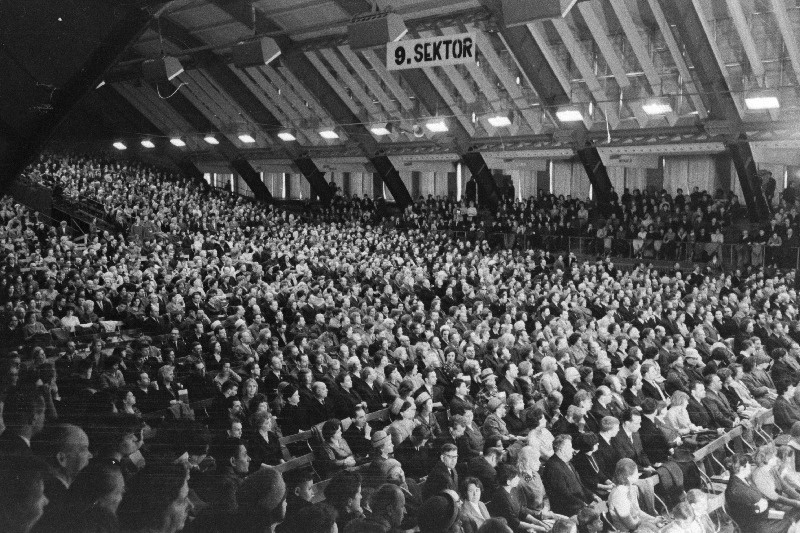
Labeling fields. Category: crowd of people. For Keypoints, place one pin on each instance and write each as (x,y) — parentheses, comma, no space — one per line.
(151,376)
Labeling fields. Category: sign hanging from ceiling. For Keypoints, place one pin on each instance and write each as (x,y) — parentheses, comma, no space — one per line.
(439,51)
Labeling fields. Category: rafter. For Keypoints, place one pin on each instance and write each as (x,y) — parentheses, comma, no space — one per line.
(539,36)
(789,35)
(677,57)
(749,45)
(587,71)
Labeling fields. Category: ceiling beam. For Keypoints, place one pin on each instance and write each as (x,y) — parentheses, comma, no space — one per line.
(247,102)
(20,152)
(749,45)
(310,73)
(587,71)
(789,35)
(677,56)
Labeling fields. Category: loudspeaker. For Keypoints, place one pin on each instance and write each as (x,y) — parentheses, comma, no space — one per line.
(255,53)
(160,70)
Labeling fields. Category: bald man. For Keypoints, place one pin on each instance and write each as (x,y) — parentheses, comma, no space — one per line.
(66,449)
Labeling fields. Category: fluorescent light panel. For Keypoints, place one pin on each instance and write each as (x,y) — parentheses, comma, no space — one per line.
(381,129)
(210,139)
(657,106)
(147,143)
(762,101)
(177,141)
(569,114)
(499,121)
(437,126)
(246,138)
(328,134)
(120,146)
(286,136)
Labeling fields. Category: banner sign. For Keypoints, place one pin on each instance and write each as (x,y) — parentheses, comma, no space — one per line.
(431,52)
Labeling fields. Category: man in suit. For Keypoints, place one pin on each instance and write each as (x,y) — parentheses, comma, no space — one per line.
(24,416)
(607,455)
(628,442)
(508,383)
(318,409)
(564,489)
(443,475)
(359,434)
(430,378)
(414,453)
(722,416)
(483,468)
(65,448)
(651,386)
(659,448)
(176,344)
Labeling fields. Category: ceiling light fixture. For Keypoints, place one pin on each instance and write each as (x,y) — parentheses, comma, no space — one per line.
(328,134)
(762,99)
(120,146)
(500,121)
(384,128)
(286,136)
(246,138)
(210,139)
(147,143)
(177,141)
(657,106)
(569,114)
(436,125)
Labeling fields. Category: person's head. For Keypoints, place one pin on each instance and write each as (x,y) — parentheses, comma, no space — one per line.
(562,446)
(528,459)
(439,514)
(262,498)
(766,455)
(683,514)
(300,482)
(318,518)
(232,453)
(449,455)
(389,503)
(626,472)
(495,525)
(98,485)
(472,488)
(330,429)
(65,447)
(22,499)
(564,525)
(343,491)
(156,499)
(785,388)
(739,464)
(698,390)
(116,436)
(457,425)
(698,500)
(589,520)
(24,411)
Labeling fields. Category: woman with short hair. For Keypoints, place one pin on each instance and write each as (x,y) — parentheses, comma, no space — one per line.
(623,501)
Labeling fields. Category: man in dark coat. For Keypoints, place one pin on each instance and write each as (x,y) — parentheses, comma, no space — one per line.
(443,475)
(628,442)
(483,468)
(564,489)
(319,409)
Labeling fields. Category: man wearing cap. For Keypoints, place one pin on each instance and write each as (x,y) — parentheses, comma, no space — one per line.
(443,475)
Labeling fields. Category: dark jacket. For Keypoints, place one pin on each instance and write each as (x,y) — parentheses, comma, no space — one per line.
(740,501)
(565,491)
(317,412)
(440,478)
(786,413)
(606,456)
(508,505)
(263,452)
(698,414)
(631,448)
(654,441)
(722,415)
(480,468)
